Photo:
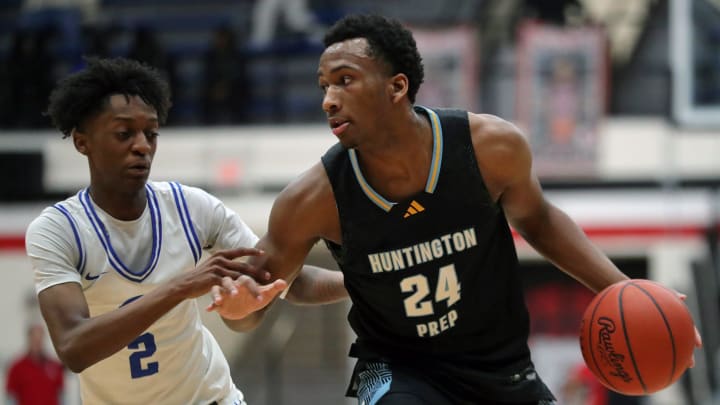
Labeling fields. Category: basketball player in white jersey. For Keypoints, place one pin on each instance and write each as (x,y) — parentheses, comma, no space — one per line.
(118,264)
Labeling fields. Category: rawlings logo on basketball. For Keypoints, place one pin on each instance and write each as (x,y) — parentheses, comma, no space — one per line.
(607,349)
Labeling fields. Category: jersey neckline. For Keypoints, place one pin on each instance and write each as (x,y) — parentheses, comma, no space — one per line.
(433,173)
(104,236)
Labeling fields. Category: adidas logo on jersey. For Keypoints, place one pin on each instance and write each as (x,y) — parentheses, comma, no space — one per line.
(414,208)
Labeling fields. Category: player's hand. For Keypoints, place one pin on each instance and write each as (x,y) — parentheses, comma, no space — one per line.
(698,338)
(219,270)
(243,296)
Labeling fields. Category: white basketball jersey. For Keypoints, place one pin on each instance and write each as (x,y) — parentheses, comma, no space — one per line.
(176,360)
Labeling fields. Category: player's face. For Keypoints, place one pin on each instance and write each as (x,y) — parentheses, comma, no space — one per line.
(120,143)
(354,85)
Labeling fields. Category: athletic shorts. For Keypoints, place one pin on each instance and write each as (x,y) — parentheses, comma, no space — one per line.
(377,384)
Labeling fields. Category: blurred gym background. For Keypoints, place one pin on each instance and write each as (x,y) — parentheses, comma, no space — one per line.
(620,100)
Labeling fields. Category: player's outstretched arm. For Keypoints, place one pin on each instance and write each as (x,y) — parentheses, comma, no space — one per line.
(316,285)
(81,340)
(303,213)
(505,162)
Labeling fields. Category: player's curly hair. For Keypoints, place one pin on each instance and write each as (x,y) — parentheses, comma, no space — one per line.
(388,41)
(85,93)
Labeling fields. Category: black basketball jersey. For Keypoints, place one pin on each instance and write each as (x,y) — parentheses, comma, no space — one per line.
(433,278)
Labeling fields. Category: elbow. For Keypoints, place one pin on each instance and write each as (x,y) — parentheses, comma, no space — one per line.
(534,228)
(74,355)
(75,368)
(72,359)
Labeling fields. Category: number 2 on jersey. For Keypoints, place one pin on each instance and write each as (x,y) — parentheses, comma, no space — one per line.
(145,341)
(447,288)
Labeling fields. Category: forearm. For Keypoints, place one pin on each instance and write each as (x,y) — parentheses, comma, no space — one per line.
(86,341)
(316,285)
(563,242)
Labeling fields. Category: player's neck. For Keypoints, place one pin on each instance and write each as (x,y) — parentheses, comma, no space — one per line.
(125,206)
(404,144)
(399,167)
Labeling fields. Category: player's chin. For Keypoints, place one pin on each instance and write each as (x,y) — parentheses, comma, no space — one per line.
(138,177)
(347,142)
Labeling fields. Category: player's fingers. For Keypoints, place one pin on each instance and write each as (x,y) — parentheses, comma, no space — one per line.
(698,338)
(250,284)
(682,296)
(248,269)
(278,285)
(216,294)
(239,252)
(692,361)
(269,291)
(229,286)
(233,268)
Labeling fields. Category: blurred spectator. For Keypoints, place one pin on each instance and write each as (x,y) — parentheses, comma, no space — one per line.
(98,39)
(34,378)
(297,17)
(147,48)
(6,93)
(564,106)
(31,77)
(551,11)
(225,88)
(583,388)
(88,8)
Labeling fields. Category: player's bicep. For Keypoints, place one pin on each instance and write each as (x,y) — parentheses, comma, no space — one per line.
(287,242)
(505,162)
(300,216)
(524,204)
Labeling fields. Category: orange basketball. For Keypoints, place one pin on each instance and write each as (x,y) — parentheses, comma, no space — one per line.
(637,337)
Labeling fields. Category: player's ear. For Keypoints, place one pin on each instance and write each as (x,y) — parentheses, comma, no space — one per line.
(398,87)
(79,140)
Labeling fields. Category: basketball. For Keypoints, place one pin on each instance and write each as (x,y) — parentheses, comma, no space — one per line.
(637,337)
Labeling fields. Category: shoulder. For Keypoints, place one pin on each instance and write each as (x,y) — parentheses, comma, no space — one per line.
(55,236)
(182,194)
(494,133)
(502,151)
(310,188)
(172,189)
(17,363)
(308,201)
(53,220)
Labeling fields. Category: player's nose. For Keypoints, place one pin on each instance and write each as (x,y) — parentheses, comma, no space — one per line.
(331,101)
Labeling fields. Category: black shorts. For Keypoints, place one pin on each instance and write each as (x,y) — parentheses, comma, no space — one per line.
(378,384)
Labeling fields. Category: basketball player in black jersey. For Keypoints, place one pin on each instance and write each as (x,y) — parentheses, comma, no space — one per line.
(415,205)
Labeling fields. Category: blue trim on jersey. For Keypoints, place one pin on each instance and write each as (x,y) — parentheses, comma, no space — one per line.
(157,231)
(80,266)
(433,173)
(379,200)
(104,236)
(186,220)
(436,163)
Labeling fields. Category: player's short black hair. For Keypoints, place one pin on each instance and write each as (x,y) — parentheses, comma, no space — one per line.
(85,93)
(388,41)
